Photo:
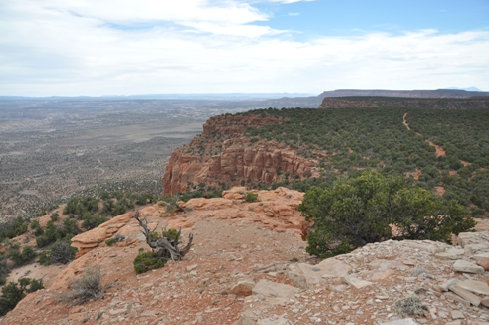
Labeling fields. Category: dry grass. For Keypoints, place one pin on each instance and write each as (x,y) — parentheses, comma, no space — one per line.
(86,288)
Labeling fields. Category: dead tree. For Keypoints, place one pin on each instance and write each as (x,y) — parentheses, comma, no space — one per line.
(165,247)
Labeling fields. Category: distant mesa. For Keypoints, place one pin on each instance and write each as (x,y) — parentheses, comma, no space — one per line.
(438,93)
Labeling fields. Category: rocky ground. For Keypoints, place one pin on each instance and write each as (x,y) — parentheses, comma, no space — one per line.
(248,266)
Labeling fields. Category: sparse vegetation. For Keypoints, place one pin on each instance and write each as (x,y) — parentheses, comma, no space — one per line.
(87,287)
(13,227)
(251,197)
(110,241)
(410,306)
(165,246)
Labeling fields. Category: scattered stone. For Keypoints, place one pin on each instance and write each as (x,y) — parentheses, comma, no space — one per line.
(456,314)
(271,321)
(445,285)
(467,267)
(485,302)
(191,267)
(306,275)
(451,253)
(243,288)
(272,289)
(465,294)
(404,321)
(356,282)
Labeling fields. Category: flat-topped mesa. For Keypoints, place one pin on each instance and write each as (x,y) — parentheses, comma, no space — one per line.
(221,155)
(229,125)
(373,102)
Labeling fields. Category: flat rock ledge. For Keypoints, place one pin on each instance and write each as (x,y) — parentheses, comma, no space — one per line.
(451,284)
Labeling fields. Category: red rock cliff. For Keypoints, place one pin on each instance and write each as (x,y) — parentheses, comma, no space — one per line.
(222,155)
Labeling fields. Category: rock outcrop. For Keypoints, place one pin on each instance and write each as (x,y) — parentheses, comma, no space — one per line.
(249,266)
(221,155)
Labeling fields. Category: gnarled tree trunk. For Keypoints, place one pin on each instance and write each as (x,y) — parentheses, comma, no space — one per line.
(166,248)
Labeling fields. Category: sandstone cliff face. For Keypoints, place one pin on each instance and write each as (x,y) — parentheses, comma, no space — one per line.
(222,155)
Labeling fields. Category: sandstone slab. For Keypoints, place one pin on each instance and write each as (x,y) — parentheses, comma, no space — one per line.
(465,294)
(451,253)
(467,267)
(482,259)
(478,287)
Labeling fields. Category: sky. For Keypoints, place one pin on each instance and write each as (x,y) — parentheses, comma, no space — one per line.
(124,47)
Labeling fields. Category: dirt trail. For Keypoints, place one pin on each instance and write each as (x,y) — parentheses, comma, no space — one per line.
(439,152)
(405,122)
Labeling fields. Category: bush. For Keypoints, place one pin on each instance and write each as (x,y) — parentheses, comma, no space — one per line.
(21,257)
(91,221)
(13,228)
(4,271)
(251,197)
(86,288)
(360,210)
(146,261)
(50,235)
(36,227)
(55,216)
(59,252)
(13,292)
(110,241)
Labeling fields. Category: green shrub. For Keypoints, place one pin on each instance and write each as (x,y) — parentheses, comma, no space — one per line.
(50,235)
(360,210)
(55,216)
(251,197)
(4,271)
(146,261)
(59,252)
(91,221)
(13,228)
(36,227)
(171,234)
(13,292)
(21,257)
(110,241)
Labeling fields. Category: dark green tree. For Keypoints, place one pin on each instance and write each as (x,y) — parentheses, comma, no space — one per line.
(361,210)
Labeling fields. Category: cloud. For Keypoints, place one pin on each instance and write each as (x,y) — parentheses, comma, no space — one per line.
(80,48)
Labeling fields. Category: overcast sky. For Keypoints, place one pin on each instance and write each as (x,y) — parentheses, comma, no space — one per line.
(122,47)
